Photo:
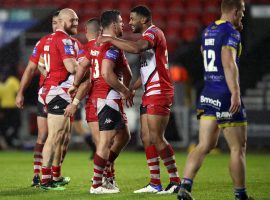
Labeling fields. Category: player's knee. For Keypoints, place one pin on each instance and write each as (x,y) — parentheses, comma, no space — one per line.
(205,148)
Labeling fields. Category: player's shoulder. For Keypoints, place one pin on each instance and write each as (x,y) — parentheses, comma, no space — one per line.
(152,31)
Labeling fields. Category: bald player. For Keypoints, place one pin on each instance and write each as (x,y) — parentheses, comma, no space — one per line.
(60,53)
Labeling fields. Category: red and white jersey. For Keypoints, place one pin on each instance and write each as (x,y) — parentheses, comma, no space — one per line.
(37,51)
(154,65)
(57,48)
(110,52)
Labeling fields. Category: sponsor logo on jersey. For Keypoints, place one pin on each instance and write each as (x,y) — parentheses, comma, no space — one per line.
(34,53)
(209,42)
(69,50)
(94,53)
(46,48)
(223,115)
(232,42)
(112,54)
(208,100)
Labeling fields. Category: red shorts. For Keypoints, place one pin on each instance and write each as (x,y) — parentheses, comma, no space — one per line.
(91,110)
(156,105)
(152,109)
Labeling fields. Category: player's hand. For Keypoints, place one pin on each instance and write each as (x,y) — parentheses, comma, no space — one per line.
(129,101)
(126,94)
(235,103)
(19,100)
(103,39)
(72,91)
(70,110)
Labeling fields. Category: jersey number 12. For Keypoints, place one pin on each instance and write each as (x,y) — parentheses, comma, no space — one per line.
(209,54)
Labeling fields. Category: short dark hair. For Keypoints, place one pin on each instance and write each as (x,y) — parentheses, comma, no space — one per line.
(144,11)
(108,17)
(95,22)
(227,5)
(56,13)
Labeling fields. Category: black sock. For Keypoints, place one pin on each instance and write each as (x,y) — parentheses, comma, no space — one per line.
(186,183)
(240,193)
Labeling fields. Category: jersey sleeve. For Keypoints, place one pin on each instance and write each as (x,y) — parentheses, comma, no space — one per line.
(150,36)
(38,49)
(66,48)
(231,39)
(112,54)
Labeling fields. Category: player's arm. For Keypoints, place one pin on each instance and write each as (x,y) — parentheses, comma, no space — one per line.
(127,76)
(107,72)
(81,93)
(25,81)
(41,66)
(228,57)
(71,65)
(127,45)
(83,67)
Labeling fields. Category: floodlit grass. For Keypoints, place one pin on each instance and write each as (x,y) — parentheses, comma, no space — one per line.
(212,183)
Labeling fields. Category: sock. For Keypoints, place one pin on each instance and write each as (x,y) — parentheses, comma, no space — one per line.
(99,166)
(56,172)
(46,175)
(240,193)
(186,183)
(38,158)
(153,164)
(167,155)
(109,165)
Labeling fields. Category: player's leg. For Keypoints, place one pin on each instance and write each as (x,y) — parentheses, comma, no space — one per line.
(100,161)
(58,127)
(157,123)
(95,131)
(42,136)
(208,137)
(236,138)
(152,157)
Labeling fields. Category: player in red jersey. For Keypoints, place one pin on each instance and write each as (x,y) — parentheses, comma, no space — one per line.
(27,77)
(113,76)
(92,29)
(60,52)
(157,98)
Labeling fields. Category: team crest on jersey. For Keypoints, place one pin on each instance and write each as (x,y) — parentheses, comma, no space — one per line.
(67,41)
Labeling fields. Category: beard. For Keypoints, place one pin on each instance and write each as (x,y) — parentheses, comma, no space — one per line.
(71,30)
(239,26)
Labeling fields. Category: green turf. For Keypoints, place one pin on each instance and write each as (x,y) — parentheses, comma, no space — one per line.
(212,182)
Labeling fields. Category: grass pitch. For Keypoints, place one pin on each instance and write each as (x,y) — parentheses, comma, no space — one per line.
(212,183)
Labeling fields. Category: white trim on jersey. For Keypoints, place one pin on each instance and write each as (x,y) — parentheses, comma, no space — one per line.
(152,86)
(153,92)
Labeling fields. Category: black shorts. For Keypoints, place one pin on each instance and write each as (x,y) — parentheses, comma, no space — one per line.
(77,115)
(111,115)
(41,110)
(143,110)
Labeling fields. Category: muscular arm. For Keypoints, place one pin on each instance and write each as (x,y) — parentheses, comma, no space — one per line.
(228,57)
(111,78)
(25,81)
(81,70)
(27,76)
(137,84)
(71,65)
(127,76)
(130,46)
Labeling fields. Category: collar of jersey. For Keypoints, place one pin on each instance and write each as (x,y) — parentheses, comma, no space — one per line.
(218,22)
(149,28)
